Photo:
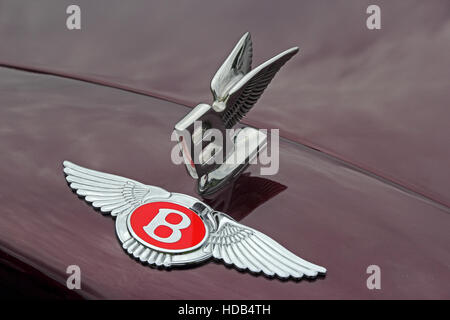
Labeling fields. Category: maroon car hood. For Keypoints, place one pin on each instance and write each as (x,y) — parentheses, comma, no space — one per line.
(323,209)
(376,99)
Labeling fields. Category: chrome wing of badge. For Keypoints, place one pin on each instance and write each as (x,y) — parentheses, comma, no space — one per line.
(236,87)
(169,229)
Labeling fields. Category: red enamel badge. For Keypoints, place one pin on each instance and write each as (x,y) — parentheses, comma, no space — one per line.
(167,226)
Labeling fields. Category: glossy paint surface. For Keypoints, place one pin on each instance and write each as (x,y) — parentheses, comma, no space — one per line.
(320,208)
(378,99)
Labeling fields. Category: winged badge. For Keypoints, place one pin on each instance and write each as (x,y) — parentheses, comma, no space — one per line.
(170,229)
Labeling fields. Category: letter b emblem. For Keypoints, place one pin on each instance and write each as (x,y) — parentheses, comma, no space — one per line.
(167,227)
(160,220)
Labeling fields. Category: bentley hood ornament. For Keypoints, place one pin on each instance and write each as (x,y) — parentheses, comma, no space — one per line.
(171,229)
(235,87)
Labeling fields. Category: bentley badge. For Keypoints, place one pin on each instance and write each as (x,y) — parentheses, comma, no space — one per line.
(171,229)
